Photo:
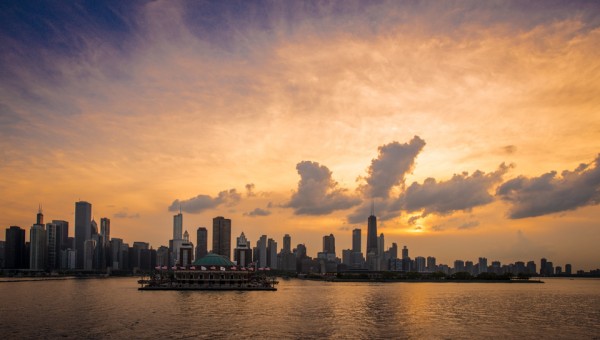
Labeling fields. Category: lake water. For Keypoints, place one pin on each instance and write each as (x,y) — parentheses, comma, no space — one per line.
(114,308)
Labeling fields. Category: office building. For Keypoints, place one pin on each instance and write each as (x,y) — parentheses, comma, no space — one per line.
(356,240)
(329,244)
(201,242)
(372,231)
(37,246)
(242,254)
(222,236)
(83,230)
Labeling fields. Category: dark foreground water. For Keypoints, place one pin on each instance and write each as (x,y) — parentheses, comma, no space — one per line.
(114,308)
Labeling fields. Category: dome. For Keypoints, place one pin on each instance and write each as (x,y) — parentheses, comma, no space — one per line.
(213,260)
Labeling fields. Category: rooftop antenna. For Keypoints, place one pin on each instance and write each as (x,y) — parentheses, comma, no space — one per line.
(40,209)
(372,207)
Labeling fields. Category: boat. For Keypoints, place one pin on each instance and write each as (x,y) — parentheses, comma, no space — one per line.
(212,272)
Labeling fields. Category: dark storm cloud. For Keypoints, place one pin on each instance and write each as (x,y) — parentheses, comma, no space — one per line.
(394,161)
(318,193)
(258,212)
(461,192)
(200,203)
(548,193)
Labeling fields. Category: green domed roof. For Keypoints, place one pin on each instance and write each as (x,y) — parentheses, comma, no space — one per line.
(213,260)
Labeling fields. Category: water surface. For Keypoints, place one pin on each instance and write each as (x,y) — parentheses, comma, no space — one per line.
(114,308)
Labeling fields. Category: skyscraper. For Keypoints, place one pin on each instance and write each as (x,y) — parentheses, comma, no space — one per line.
(177,241)
(53,246)
(261,252)
(329,244)
(272,254)
(105,229)
(83,229)
(356,240)
(372,231)
(177,226)
(222,236)
(14,248)
(287,244)
(201,242)
(242,253)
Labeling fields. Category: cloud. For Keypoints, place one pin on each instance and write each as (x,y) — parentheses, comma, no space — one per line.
(201,202)
(461,192)
(385,209)
(125,214)
(395,160)
(468,225)
(547,194)
(250,190)
(258,212)
(318,193)
(509,149)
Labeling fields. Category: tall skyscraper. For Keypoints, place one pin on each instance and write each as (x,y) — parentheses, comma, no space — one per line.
(201,242)
(222,236)
(177,241)
(431,264)
(105,229)
(177,226)
(14,248)
(261,252)
(53,246)
(272,254)
(329,244)
(372,231)
(405,253)
(543,262)
(83,230)
(287,244)
(483,266)
(37,243)
(356,240)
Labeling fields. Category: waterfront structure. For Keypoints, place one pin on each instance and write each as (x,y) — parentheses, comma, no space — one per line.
(242,254)
(83,230)
(212,272)
(201,242)
(222,236)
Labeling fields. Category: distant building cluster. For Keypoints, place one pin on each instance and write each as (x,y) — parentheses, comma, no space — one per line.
(51,249)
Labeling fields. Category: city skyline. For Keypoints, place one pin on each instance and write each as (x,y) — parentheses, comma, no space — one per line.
(328,246)
(472,127)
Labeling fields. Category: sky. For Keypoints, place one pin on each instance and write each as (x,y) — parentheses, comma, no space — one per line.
(473,127)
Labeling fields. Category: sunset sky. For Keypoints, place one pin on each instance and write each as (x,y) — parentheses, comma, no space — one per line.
(473,126)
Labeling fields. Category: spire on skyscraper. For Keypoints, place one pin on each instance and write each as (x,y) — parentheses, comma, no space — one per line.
(372,207)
